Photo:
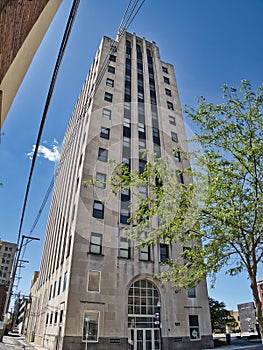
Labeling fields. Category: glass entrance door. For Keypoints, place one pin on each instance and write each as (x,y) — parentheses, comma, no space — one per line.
(145,339)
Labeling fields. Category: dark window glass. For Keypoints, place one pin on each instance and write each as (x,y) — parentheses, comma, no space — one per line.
(166,80)
(124,249)
(112,58)
(110,82)
(111,69)
(124,216)
(164,69)
(108,97)
(164,252)
(103,155)
(174,136)
(144,253)
(98,210)
(100,180)
(168,92)
(170,106)
(142,165)
(177,155)
(194,327)
(171,120)
(105,133)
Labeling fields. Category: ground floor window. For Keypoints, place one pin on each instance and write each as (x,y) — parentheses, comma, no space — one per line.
(91,326)
(194,327)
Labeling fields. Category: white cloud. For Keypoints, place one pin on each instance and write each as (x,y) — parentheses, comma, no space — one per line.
(52,154)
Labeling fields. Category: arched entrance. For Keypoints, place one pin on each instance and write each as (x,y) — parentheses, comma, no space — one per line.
(144,316)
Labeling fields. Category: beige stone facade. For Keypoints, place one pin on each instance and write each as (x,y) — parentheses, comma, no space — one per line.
(95,291)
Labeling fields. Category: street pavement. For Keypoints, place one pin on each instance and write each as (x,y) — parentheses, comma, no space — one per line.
(17,342)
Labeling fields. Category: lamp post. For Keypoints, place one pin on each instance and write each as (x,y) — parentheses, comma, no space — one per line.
(158,321)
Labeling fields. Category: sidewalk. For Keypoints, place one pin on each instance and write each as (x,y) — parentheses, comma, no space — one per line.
(9,343)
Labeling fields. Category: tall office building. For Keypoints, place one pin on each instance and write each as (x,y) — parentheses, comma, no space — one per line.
(94,289)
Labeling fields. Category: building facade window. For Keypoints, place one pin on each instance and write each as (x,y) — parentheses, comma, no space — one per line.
(165,70)
(124,216)
(110,82)
(59,285)
(164,252)
(95,243)
(125,249)
(144,253)
(50,292)
(170,106)
(194,327)
(168,92)
(98,210)
(94,281)
(191,293)
(65,281)
(108,97)
(103,155)
(54,289)
(90,326)
(105,133)
(171,119)
(166,80)
(106,113)
(177,155)
(100,180)
(111,69)
(112,58)
(174,136)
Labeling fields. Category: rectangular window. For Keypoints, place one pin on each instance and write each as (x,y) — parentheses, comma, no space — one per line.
(110,83)
(192,293)
(194,327)
(106,113)
(124,216)
(165,70)
(177,155)
(95,243)
(90,326)
(124,248)
(171,120)
(94,281)
(61,316)
(100,180)
(59,285)
(168,92)
(112,58)
(111,69)
(98,210)
(180,177)
(170,106)
(103,155)
(108,97)
(174,136)
(126,122)
(143,191)
(65,281)
(56,317)
(166,80)
(54,289)
(50,292)
(164,252)
(105,133)
(142,164)
(126,141)
(145,253)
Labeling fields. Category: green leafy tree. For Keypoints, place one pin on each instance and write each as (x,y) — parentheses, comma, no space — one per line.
(217,218)
(220,317)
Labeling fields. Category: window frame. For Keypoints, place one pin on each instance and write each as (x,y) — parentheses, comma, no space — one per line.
(143,252)
(194,327)
(172,120)
(166,255)
(174,136)
(87,314)
(111,69)
(94,244)
(124,249)
(106,113)
(90,281)
(108,96)
(105,133)
(170,106)
(103,154)
(168,92)
(100,180)
(96,212)
(110,82)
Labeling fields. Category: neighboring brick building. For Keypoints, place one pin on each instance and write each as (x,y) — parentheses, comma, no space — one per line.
(23,25)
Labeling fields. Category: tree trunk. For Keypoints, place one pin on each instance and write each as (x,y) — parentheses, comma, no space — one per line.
(257,301)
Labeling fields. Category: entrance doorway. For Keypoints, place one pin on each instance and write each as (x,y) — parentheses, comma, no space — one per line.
(143,306)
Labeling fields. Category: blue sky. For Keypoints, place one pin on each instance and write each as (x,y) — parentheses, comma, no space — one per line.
(209,42)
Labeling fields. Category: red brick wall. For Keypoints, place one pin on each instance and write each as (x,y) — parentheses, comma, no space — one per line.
(17,17)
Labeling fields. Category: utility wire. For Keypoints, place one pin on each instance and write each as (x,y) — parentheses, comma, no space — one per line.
(48,99)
